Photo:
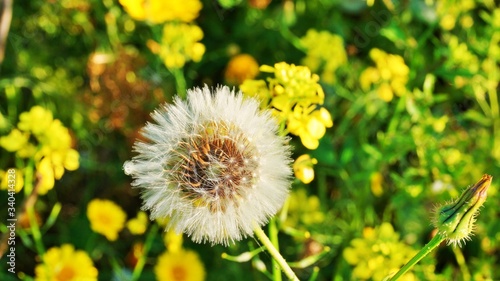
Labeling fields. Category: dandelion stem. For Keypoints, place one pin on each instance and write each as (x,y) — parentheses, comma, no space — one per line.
(274,252)
(273,237)
(438,238)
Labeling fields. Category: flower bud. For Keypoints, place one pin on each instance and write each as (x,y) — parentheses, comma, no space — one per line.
(455,220)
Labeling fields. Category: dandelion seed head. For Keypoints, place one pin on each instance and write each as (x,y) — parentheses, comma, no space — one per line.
(213,164)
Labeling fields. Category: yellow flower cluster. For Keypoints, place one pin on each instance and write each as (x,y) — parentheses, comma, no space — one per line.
(324,50)
(296,98)
(303,168)
(450,12)
(178,263)
(173,240)
(4,180)
(240,68)
(390,75)
(303,209)
(106,218)
(65,263)
(159,11)
(182,265)
(378,253)
(179,44)
(52,151)
(139,224)
(461,56)
(180,41)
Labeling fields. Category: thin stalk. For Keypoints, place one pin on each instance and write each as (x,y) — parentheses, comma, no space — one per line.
(180,82)
(273,237)
(274,252)
(147,246)
(420,255)
(462,264)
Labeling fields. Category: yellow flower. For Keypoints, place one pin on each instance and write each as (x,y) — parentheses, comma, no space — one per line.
(138,224)
(45,173)
(390,75)
(295,97)
(65,264)
(376,181)
(51,151)
(309,127)
(449,12)
(179,44)
(106,218)
(159,11)
(324,50)
(57,147)
(5,180)
(303,168)
(461,56)
(36,121)
(14,141)
(183,265)
(303,209)
(135,8)
(240,68)
(173,241)
(378,254)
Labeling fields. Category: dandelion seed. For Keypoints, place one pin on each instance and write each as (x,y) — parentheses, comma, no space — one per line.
(213,164)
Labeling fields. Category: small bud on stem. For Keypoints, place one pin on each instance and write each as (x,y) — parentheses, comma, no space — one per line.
(456,220)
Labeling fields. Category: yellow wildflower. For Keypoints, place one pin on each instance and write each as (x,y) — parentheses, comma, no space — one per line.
(139,224)
(309,127)
(173,241)
(450,12)
(56,146)
(303,168)
(303,209)
(390,75)
(324,50)
(51,149)
(159,11)
(14,141)
(37,120)
(106,218)
(295,97)
(135,8)
(376,181)
(179,44)
(378,253)
(45,174)
(461,56)
(17,177)
(183,265)
(240,68)
(66,264)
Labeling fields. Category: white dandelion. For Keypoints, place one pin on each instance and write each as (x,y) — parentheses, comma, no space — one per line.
(214,165)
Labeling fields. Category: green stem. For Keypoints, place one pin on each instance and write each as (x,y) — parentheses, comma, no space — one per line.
(292,38)
(180,82)
(420,255)
(462,264)
(273,236)
(29,206)
(35,231)
(274,252)
(147,246)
